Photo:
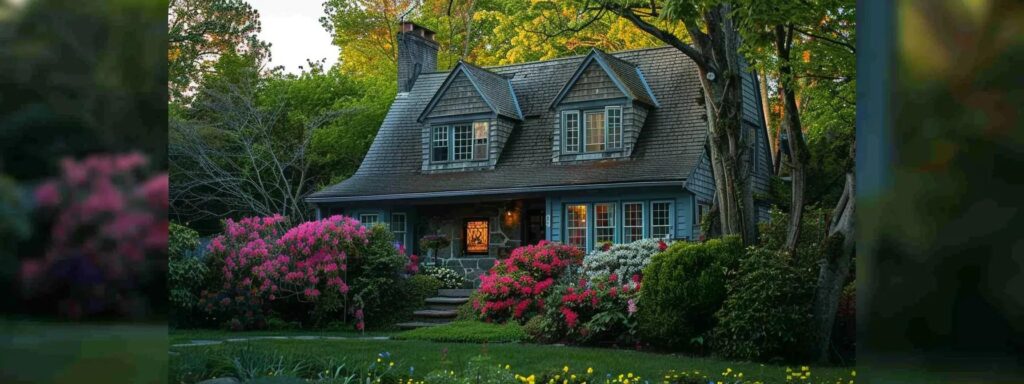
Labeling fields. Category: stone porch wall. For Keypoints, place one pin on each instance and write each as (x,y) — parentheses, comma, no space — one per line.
(505,234)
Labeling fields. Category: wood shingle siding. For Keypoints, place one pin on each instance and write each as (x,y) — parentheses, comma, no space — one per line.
(461,98)
(593,84)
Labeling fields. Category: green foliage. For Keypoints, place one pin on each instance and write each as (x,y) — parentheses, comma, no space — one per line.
(467,332)
(376,281)
(767,315)
(466,311)
(185,281)
(181,239)
(200,30)
(479,370)
(536,329)
(810,246)
(683,288)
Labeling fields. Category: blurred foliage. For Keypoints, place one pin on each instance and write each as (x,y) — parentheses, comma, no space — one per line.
(80,77)
(944,238)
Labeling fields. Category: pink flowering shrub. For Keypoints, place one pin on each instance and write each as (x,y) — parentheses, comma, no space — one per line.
(514,288)
(601,309)
(319,271)
(108,242)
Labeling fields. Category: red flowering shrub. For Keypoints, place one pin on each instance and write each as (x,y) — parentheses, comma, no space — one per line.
(108,241)
(597,310)
(514,288)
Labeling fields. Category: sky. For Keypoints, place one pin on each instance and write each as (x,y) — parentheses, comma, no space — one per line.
(293,29)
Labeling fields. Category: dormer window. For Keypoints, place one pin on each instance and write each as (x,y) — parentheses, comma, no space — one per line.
(459,142)
(600,131)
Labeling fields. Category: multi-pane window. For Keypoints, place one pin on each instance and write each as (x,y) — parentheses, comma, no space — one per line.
(594,122)
(604,223)
(480,132)
(572,131)
(463,142)
(368,219)
(460,142)
(601,130)
(661,213)
(632,222)
(398,227)
(576,225)
(614,118)
(440,144)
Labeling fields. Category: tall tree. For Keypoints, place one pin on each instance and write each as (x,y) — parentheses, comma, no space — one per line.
(773,34)
(712,41)
(199,31)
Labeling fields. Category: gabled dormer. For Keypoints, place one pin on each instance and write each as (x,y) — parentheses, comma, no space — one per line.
(600,111)
(469,119)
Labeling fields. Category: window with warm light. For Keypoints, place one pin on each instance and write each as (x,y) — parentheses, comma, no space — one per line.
(477,236)
(576,225)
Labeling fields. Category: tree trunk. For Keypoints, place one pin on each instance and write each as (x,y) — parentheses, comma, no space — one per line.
(834,269)
(799,154)
(716,53)
(773,140)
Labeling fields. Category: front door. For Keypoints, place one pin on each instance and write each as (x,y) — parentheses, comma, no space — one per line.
(533,226)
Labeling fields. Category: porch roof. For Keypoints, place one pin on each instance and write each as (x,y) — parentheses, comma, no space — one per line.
(668,148)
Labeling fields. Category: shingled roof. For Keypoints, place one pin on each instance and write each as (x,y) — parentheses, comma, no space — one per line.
(669,147)
(495,89)
(626,75)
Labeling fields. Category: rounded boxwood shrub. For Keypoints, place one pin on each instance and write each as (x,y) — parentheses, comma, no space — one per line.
(683,288)
(767,314)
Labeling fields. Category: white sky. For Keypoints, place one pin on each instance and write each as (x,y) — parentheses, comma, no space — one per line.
(293,28)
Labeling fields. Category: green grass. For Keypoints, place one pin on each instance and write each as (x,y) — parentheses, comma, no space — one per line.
(526,359)
(467,332)
(184,336)
(61,352)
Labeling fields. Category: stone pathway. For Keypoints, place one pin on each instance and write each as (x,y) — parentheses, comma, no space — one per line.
(194,343)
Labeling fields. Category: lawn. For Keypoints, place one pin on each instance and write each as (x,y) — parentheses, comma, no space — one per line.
(426,356)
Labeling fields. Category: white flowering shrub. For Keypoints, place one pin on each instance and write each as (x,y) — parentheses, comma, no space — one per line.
(450,279)
(622,260)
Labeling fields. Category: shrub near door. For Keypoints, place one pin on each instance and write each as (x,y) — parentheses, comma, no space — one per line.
(683,288)
(514,288)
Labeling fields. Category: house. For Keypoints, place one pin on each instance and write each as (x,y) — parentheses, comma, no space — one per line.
(605,147)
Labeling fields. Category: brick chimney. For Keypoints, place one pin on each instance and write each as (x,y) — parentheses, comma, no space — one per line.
(417,53)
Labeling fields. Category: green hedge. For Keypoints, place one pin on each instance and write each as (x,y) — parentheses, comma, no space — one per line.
(683,288)
(467,332)
(767,314)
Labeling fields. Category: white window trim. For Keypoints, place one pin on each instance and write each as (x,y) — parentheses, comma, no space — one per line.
(607,128)
(586,225)
(405,225)
(375,215)
(671,213)
(643,228)
(565,132)
(612,217)
(447,140)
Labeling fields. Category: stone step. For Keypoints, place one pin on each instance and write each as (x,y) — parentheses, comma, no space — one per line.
(454,292)
(417,324)
(435,314)
(447,300)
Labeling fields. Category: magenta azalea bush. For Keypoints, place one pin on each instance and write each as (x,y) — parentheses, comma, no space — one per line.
(307,272)
(108,242)
(514,288)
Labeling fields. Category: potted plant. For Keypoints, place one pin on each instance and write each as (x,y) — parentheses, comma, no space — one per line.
(433,242)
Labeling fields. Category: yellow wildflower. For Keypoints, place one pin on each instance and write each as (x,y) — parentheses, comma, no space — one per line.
(853,373)
(590,370)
